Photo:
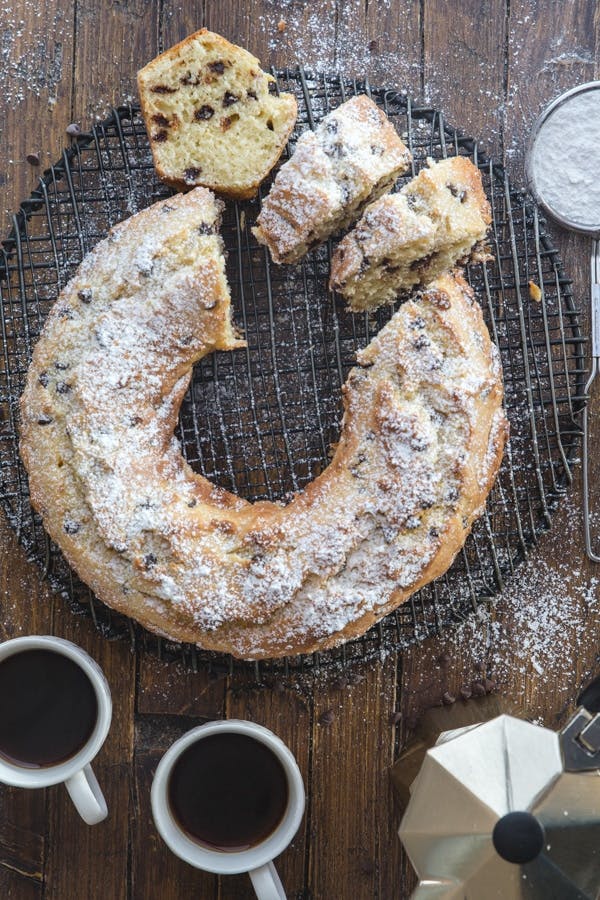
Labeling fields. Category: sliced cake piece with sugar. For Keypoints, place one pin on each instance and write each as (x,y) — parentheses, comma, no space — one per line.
(211,118)
(437,220)
(354,156)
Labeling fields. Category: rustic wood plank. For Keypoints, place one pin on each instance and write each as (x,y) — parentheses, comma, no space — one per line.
(464,52)
(113,41)
(279,35)
(351,817)
(381,41)
(157,874)
(35,92)
(169,688)
(285,711)
(25,608)
(72,845)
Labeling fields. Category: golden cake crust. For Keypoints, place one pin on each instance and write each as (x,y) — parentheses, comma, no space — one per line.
(421,442)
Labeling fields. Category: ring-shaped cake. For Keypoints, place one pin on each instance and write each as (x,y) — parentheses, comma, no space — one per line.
(421,442)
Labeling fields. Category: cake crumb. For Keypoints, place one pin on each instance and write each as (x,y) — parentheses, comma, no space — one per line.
(535,292)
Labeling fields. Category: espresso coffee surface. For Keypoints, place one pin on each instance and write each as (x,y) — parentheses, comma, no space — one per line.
(228,792)
(48,708)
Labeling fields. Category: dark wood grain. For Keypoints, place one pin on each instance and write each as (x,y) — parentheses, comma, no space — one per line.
(491,66)
(35,94)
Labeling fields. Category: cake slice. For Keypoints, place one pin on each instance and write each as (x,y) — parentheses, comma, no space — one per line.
(354,156)
(210,116)
(437,220)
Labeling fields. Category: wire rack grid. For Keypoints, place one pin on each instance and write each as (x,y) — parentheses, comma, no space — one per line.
(261,421)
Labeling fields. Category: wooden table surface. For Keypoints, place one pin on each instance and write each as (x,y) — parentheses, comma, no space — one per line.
(491,65)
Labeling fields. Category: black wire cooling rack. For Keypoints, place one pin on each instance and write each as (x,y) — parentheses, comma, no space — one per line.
(261,421)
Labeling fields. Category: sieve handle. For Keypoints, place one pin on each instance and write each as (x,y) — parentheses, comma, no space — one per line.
(595,331)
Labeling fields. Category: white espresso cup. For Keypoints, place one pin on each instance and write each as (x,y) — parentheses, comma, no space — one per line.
(257,861)
(75,772)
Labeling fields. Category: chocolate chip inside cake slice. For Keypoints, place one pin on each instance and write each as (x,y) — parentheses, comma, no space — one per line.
(437,220)
(211,118)
(354,156)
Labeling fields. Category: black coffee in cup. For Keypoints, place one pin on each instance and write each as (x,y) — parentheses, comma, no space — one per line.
(48,708)
(228,791)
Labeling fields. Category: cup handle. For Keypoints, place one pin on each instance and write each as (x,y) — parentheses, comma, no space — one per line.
(85,793)
(266,883)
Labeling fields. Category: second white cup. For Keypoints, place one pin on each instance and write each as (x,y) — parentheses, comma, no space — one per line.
(256,860)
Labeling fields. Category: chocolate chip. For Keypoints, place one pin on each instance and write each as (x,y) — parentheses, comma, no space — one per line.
(327,718)
(270,125)
(489,685)
(451,495)
(160,137)
(412,201)
(461,195)
(417,322)
(448,698)
(43,379)
(252,95)
(62,387)
(433,533)
(228,121)
(99,339)
(190,175)
(335,151)
(193,502)
(203,113)
(188,78)
(340,683)
(85,295)
(70,526)
(376,150)
(229,99)
(373,46)
(417,265)
(146,271)
(206,228)
(161,120)
(61,366)
(443,659)
(33,159)
(162,89)
(218,66)
(466,693)
(65,312)
(73,129)
(134,420)
(150,560)
(421,342)
(44,419)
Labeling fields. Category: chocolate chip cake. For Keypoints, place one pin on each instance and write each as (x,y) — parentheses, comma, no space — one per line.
(353,156)
(420,445)
(211,118)
(409,238)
